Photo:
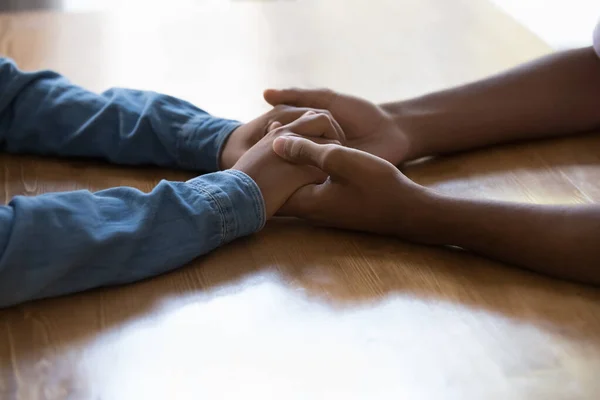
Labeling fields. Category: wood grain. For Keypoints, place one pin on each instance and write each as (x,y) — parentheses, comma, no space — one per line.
(296,311)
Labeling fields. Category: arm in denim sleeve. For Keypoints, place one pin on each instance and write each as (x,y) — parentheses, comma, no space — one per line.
(61,243)
(43,113)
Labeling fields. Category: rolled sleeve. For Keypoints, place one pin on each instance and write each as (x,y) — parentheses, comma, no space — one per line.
(238,199)
(203,135)
(62,243)
(43,113)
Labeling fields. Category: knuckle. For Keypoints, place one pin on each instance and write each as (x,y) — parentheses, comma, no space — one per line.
(333,150)
(327,123)
(326,112)
(323,118)
(331,155)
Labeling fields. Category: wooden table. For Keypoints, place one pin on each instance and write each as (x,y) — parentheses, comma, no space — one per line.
(298,312)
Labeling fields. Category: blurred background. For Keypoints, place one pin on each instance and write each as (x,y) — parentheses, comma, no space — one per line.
(560,23)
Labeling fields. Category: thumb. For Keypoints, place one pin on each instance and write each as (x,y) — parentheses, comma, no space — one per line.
(313,98)
(335,160)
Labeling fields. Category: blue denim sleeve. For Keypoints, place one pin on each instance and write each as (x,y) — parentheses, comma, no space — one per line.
(61,243)
(43,113)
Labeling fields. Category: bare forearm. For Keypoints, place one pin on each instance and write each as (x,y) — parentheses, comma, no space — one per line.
(551,96)
(556,240)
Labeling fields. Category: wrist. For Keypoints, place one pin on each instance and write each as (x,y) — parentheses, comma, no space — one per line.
(435,123)
(230,151)
(409,120)
(423,220)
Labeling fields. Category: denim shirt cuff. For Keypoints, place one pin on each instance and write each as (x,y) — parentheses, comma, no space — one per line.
(201,141)
(238,200)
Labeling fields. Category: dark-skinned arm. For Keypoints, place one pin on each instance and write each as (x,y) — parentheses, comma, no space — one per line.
(555,95)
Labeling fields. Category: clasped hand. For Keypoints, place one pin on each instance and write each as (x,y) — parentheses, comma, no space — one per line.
(305,169)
